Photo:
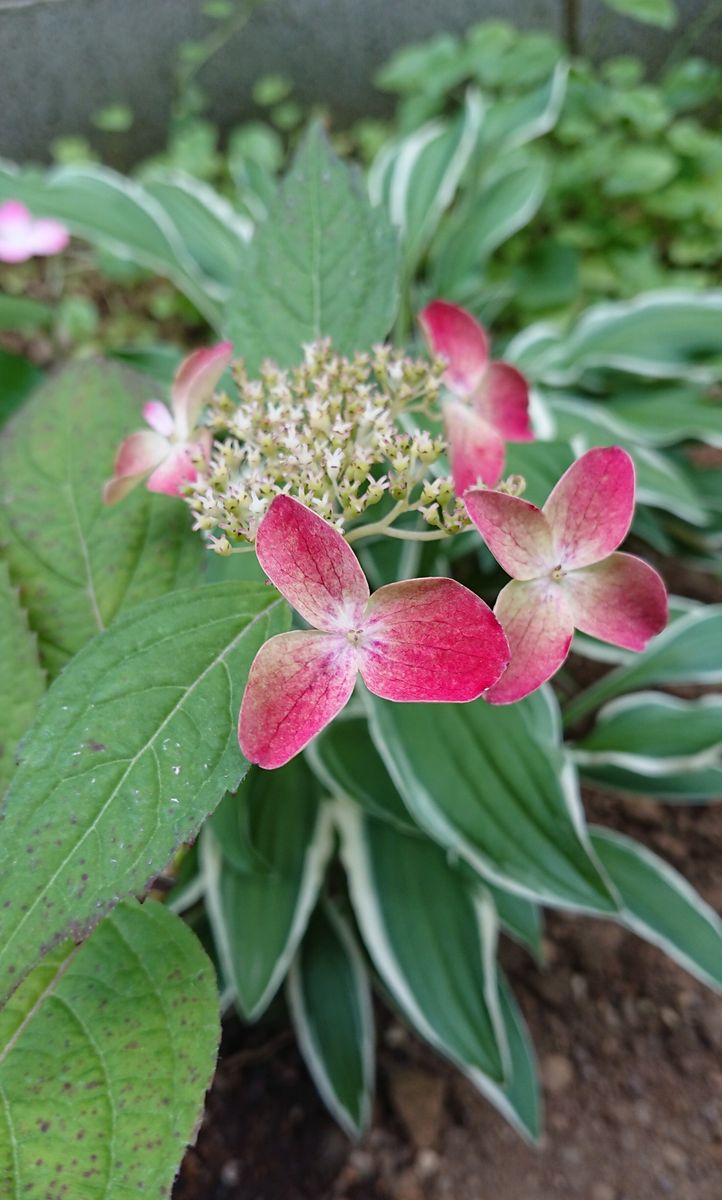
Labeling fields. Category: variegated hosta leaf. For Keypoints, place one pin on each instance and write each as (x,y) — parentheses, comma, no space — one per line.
(418,176)
(688,651)
(330,1002)
(22,679)
(659,905)
(432,938)
(107,1050)
(657,744)
(347,762)
(134,744)
(501,206)
(671,334)
(263,858)
(77,562)
(117,213)
(514,817)
(322,264)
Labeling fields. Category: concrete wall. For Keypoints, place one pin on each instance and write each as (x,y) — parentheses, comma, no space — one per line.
(61,60)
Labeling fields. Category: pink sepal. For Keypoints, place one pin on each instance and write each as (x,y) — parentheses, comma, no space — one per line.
(430,640)
(516,532)
(538,623)
(476,451)
(454,335)
(298,682)
(158,416)
(621,600)
(503,399)
(591,508)
(194,384)
(175,471)
(312,566)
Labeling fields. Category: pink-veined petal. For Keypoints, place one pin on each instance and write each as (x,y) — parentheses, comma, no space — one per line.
(538,624)
(312,566)
(194,384)
(175,471)
(298,682)
(621,600)
(49,236)
(159,417)
(430,640)
(476,451)
(503,400)
(453,334)
(591,508)
(516,532)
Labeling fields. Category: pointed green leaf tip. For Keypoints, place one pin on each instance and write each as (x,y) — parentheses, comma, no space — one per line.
(107,1050)
(135,744)
(323,264)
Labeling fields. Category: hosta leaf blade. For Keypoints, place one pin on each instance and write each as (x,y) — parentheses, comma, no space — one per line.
(662,907)
(108,1050)
(431,937)
(481,783)
(330,1001)
(258,909)
(134,745)
(77,562)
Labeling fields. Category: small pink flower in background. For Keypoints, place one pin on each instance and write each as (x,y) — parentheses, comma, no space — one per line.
(166,451)
(418,640)
(490,404)
(22,235)
(565,574)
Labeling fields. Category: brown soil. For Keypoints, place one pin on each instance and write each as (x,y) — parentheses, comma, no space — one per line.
(630,1051)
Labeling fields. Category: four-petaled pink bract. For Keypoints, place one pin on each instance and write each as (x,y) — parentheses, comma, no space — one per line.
(23,236)
(490,400)
(421,639)
(166,451)
(565,574)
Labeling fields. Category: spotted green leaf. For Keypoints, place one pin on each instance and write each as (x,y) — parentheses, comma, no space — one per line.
(135,743)
(107,1050)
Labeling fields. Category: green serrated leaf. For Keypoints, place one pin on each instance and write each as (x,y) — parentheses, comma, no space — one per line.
(134,745)
(330,1002)
(514,817)
(77,562)
(662,907)
(258,910)
(107,1051)
(323,264)
(22,679)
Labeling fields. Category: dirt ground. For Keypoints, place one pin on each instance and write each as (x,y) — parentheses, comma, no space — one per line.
(630,1051)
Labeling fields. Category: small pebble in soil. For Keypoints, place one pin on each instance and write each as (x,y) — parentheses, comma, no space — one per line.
(557,1073)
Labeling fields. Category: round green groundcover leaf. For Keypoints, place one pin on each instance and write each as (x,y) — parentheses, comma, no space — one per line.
(108,1049)
(135,744)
